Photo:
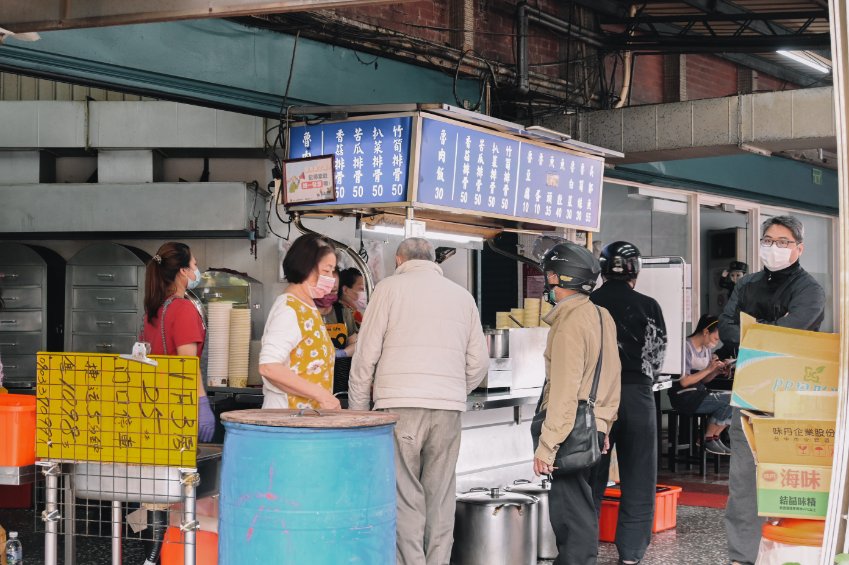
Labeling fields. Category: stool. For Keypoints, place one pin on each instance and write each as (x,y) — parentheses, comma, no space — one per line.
(694,447)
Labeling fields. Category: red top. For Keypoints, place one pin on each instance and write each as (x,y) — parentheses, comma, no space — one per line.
(183,325)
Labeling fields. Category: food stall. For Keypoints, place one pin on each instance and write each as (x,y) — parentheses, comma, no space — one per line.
(462,178)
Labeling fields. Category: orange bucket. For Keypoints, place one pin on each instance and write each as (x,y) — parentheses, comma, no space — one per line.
(795,531)
(17,422)
(206,547)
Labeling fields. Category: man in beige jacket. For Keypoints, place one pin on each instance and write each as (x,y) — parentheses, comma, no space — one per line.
(571,354)
(421,351)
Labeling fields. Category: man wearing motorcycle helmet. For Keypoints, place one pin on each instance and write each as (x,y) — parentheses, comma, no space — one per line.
(573,350)
(642,344)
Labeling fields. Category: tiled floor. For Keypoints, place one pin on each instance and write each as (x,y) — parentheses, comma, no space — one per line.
(698,539)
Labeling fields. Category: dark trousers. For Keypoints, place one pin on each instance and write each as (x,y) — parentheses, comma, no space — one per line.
(635,436)
(571,510)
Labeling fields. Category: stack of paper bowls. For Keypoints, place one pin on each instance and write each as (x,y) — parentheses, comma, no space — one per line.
(253,362)
(503,321)
(530,316)
(517,313)
(219,342)
(240,338)
(546,308)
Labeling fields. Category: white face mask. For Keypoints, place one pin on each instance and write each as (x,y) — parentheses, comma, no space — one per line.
(775,258)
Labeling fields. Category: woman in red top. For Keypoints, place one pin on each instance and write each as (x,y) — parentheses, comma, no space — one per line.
(172,324)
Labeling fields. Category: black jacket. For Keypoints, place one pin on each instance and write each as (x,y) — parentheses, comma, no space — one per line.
(640,330)
(791,298)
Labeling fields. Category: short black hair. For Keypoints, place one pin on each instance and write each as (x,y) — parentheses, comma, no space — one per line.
(348,278)
(304,256)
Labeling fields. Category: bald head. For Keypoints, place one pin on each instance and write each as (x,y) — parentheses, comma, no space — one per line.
(415,248)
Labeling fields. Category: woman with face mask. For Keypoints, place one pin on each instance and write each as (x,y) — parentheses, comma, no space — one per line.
(339,321)
(352,292)
(689,395)
(297,357)
(172,324)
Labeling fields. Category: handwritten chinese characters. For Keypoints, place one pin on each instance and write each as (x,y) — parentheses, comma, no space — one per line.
(463,167)
(103,408)
(370,156)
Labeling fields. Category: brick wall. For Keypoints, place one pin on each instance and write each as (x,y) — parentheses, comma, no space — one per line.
(710,77)
(767,83)
(423,15)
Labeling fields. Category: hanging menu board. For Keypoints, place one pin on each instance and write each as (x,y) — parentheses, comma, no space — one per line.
(93,407)
(371,157)
(491,174)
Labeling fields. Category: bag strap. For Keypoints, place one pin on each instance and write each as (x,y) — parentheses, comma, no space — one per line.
(594,391)
(162,323)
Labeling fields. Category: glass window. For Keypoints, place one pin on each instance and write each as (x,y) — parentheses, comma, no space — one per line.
(657,226)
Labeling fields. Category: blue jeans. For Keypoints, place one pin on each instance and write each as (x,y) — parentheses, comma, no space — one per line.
(717,404)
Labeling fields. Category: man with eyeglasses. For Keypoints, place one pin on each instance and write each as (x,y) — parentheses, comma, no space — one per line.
(783,294)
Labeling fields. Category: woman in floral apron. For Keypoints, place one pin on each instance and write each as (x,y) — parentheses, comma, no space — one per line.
(296,361)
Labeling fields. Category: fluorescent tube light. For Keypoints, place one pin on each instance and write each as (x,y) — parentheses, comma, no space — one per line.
(437,235)
(805,59)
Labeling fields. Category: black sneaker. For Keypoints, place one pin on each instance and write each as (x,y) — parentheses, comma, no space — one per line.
(716,447)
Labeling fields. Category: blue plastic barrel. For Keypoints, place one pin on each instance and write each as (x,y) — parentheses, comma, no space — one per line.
(307,489)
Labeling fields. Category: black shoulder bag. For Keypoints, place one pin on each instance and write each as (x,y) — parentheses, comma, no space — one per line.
(580,450)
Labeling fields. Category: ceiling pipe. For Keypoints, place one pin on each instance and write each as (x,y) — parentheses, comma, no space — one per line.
(628,65)
(524,15)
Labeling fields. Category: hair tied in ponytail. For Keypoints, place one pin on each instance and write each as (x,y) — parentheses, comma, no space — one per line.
(158,259)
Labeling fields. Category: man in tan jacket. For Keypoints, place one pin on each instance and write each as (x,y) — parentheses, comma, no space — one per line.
(421,351)
(574,348)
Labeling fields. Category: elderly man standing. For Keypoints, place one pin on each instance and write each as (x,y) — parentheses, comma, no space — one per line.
(421,351)
(782,294)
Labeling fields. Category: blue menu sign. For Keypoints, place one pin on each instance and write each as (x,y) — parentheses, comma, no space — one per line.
(371,157)
(462,167)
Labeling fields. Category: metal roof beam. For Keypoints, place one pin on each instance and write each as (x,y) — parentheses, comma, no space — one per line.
(725,7)
(44,15)
(735,17)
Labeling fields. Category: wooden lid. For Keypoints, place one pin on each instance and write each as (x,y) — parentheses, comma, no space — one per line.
(309,418)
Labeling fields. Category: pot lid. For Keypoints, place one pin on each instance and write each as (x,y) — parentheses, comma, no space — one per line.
(527,487)
(495,496)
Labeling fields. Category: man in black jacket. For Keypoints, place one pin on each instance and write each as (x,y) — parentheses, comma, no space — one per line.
(783,294)
(641,335)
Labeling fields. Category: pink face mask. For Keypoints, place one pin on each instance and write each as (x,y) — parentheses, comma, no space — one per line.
(323,287)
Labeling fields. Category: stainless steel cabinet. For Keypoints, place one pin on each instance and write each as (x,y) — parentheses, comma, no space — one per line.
(32,281)
(105,296)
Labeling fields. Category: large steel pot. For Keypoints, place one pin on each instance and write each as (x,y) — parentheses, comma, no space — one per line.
(492,527)
(498,342)
(546,542)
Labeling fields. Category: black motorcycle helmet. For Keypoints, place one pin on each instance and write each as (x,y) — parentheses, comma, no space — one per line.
(575,267)
(620,260)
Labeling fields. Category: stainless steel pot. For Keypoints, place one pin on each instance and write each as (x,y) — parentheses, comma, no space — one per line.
(498,342)
(546,542)
(492,527)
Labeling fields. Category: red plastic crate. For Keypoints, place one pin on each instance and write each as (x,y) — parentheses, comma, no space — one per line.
(665,512)
(18,496)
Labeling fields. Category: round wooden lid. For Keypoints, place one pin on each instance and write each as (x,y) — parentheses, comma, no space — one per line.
(309,418)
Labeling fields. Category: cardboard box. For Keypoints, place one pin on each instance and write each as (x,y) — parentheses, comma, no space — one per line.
(775,359)
(792,436)
(793,491)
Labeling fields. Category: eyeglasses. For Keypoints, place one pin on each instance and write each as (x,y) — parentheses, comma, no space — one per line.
(780,243)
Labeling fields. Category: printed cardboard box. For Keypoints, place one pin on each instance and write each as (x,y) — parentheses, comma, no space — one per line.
(793,491)
(775,359)
(792,435)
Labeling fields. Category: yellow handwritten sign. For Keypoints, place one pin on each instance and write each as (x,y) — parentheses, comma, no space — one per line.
(102,408)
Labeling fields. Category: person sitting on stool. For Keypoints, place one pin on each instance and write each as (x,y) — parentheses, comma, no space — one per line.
(689,395)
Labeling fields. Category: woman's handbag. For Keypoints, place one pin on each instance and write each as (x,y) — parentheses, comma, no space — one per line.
(580,450)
